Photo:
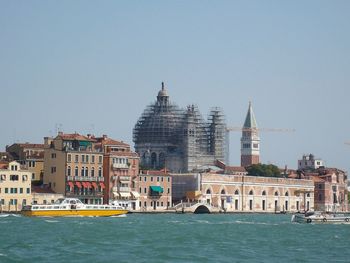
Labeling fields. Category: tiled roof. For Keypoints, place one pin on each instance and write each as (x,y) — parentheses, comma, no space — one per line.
(109,141)
(4,164)
(235,169)
(31,145)
(74,136)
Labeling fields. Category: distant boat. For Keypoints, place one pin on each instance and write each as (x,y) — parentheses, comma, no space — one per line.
(72,207)
(321,218)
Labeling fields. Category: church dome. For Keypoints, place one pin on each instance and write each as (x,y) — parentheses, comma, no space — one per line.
(160,122)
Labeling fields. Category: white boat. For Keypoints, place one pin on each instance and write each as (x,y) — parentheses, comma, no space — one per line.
(321,218)
(73,207)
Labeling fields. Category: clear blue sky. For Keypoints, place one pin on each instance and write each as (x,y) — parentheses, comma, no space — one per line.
(93,66)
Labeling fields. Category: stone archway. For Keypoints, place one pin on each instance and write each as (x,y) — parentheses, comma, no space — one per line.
(202,209)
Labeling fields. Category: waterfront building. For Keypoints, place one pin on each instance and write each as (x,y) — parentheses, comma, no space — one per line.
(31,156)
(250,140)
(15,187)
(179,140)
(331,194)
(43,195)
(244,193)
(73,166)
(155,188)
(120,169)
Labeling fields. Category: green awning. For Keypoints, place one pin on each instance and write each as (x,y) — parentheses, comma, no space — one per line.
(157,189)
(84,143)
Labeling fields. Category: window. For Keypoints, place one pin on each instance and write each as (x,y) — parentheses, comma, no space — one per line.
(21,190)
(168,190)
(162,179)
(82,171)
(53,155)
(264,193)
(286,194)
(3,177)
(28,190)
(168,179)
(76,158)
(24,202)
(145,190)
(158,179)
(236,204)
(92,171)
(208,192)
(13,167)
(92,158)
(2,201)
(236,192)
(33,176)
(87,158)
(151,178)
(69,171)
(263,205)
(99,172)
(83,158)
(276,193)
(69,158)
(145,204)
(76,171)
(251,193)
(250,204)
(13,177)
(145,178)
(100,159)
(86,171)
(53,169)
(6,190)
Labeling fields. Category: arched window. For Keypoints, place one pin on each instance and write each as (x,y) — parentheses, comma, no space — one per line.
(276,193)
(208,192)
(251,192)
(99,172)
(264,192)
(68,171)
(92,171)
(76,171)
(223,191)
(236,192)
(286,194)
(82,171)
(308,195)
(86,171)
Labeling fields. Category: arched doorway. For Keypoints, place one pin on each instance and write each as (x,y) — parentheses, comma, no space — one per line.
(202,209)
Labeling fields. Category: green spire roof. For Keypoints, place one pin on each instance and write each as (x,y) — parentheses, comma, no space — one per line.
(250,121)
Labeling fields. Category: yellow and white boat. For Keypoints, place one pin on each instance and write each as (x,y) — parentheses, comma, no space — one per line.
(73,207)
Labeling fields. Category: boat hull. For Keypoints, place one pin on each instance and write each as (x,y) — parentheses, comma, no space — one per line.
(74,213)
(321,219)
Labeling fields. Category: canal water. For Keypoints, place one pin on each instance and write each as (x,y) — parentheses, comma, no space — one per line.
(172,238)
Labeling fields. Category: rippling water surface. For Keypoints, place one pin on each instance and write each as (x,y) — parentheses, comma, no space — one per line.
(172,238)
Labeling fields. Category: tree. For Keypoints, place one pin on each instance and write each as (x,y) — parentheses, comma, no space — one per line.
(266,170)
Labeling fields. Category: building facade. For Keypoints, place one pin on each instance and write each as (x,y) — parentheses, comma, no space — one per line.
(179,140)
(15,187)
(310,162)
(155,189)
(31,156)
(250,140)
(73,166)
(120,169)
(242,193)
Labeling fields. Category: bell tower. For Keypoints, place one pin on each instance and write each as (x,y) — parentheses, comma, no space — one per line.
(250,141)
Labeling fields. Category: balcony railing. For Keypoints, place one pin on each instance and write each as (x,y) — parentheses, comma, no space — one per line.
(85,178)
(89,194)
(120,166)
(121,189)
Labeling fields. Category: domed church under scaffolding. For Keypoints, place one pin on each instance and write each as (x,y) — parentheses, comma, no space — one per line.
(179,140)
